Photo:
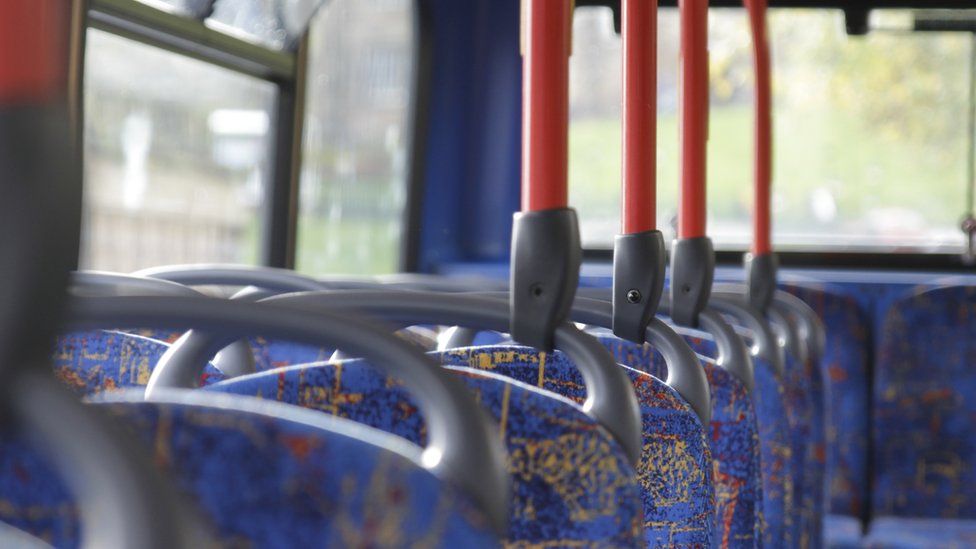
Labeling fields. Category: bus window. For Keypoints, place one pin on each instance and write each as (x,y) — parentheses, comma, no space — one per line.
(175,158)
(861,124)
(357,136)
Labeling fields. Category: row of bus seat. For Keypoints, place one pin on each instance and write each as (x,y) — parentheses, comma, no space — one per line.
(738,479)
(901,457)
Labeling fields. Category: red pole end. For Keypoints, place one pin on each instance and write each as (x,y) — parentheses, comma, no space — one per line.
(694,117)
(32,50)
(547,44)
(639,116)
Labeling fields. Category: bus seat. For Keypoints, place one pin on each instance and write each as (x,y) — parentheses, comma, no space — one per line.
(572,482)
(676,465)
(844,367)
(768,400)
(733,438)
(264,474)
(94,361)
(924,463)
(805,384)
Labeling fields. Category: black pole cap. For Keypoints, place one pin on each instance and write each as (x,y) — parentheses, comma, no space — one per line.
(639,262)
(761,279)
(546,258)
(692,273)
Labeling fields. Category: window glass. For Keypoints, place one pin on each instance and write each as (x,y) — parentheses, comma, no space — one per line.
(870,143)
(175,158)
(354,175)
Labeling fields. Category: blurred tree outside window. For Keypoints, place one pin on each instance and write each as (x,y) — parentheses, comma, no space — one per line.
(869,145)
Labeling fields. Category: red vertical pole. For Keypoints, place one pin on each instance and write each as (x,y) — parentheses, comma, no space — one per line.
(762,227)
(639,116)
(32,45)
(694,117)
(546,44)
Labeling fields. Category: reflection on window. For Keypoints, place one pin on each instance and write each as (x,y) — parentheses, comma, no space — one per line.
(175,158)
(274,23)
(870,147)
(190,8)
(353,185)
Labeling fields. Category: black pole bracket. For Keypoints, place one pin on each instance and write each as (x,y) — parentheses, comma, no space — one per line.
(761,279)
(639,262)
(546,258)
(692,273)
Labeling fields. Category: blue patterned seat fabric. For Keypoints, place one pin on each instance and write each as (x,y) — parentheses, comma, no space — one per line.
(845,367)
(573,486)
(733,437)
(676,466)
(274,353)
(924,461)
(805,386)
(801,515)
(909,533)
(769,400)
(264,475)
(96,361)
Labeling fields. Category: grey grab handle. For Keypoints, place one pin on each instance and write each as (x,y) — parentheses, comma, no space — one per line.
(123,500)
(258,281)
(811,327)
(234,275)
(733,354)
(463,445)
(781,320)
(235,360)
(789,336)
(767,344)
(610,396)
(685,373)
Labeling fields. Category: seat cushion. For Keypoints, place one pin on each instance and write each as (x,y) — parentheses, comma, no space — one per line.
(262,474)
(845,369)
(733,438)
(572,483)
(676,464)
(919,533)
(924,461)
(96,361)
(842,532)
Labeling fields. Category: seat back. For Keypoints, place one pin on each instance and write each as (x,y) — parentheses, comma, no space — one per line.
(776,467)
(733,438)
(275,353)
(95,361)
(844,366)
(676,464)
(259,471)
(924,435)
(572,482)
